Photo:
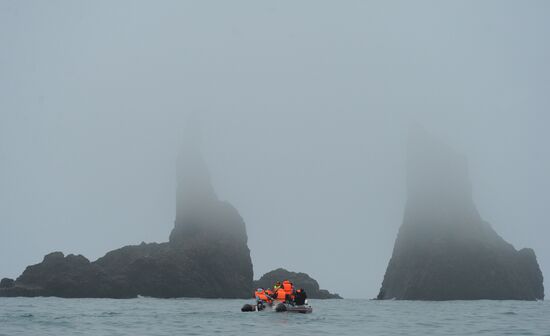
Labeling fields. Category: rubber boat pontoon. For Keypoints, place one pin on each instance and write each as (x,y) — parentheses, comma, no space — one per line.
(278,307)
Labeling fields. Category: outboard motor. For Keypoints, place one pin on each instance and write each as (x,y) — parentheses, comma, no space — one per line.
(248,308)
(260,305)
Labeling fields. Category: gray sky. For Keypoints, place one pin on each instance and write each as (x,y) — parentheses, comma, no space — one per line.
(304,107)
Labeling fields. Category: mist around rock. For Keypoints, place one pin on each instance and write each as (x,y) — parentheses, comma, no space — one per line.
(444,249)
(206,256)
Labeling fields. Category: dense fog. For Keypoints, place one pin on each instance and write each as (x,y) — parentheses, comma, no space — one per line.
(303,111)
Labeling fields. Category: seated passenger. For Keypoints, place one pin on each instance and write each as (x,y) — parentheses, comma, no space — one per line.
(281,295)
(300,297)
(289,289)
(277,286)
(262,296)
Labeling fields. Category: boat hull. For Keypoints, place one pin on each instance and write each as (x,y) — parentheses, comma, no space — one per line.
(285,307)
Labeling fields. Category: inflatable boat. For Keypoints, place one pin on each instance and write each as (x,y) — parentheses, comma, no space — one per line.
(278,307)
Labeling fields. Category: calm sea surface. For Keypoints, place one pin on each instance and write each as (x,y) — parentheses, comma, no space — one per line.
(145,316)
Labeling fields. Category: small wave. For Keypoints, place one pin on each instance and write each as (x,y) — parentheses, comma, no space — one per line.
(509,313)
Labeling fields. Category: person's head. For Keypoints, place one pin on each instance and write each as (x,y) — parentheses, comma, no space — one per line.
(259,290)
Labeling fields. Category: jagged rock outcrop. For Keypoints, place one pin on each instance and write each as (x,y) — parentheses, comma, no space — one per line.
(206,256)
(66,276)
(7,283)
(300,280)
(444,250)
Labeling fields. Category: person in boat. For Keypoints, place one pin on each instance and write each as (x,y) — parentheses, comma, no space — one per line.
(300,297)
(277,286)
(269,292)
(288,287)
(280,295)
(261,295)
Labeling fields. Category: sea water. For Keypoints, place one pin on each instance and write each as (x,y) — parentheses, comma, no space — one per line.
(148,316)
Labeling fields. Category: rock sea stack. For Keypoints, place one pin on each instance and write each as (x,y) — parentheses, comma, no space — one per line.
(207,255)
(444,249)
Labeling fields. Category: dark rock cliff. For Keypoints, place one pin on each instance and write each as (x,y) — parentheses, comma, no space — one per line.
(206,256)
(300,280)
(444,250)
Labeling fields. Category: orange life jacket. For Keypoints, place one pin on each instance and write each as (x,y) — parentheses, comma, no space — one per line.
(281,295)
(287,286)
(269,292)
(262,296)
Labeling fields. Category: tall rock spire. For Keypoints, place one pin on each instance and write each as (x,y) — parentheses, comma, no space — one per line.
(210,232)
(444,250)
(207,254)
(194,188)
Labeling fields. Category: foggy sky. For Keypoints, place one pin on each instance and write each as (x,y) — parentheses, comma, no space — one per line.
(304,108)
